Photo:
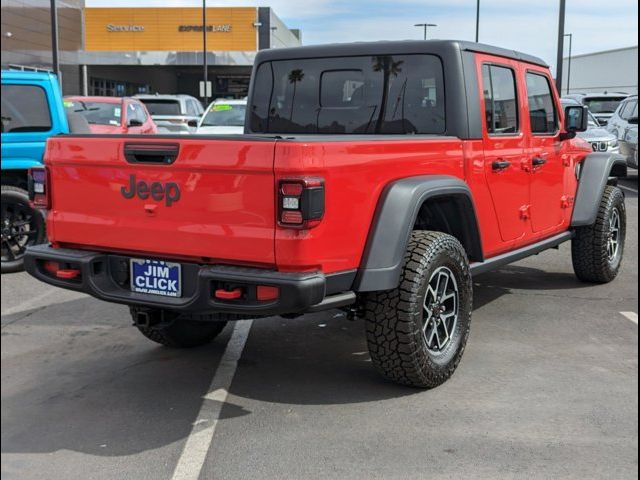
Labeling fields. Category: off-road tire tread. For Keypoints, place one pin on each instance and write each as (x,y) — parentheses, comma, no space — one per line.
(18,266)
(394,339)
(589,245)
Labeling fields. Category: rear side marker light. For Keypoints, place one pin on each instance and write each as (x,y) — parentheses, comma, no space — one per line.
(265,292)
(300,202)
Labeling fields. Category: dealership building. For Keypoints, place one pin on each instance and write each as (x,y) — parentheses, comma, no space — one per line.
(605,71)
(124,51)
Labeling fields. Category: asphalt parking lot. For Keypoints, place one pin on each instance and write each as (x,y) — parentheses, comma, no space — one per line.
(547,388)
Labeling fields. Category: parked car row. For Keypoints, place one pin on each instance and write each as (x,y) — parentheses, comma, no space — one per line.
(601,105)
(613,123)
(150,114)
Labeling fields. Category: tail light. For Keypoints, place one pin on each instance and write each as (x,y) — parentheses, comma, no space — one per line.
(300,202)
(39,187)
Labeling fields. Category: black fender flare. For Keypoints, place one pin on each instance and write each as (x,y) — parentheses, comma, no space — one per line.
(395,216)
(593,176)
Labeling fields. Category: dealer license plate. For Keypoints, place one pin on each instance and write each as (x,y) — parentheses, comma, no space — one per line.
(156,277)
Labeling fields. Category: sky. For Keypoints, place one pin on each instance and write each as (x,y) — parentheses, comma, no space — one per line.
(528,26)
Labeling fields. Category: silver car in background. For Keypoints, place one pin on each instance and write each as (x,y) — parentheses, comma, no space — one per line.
(173,113)
(600,139)
(624,125)
(601,105)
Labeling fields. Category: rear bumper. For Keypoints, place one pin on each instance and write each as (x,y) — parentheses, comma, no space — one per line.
(106,276)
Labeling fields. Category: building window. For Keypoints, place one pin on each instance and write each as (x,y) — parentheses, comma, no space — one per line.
(112,88)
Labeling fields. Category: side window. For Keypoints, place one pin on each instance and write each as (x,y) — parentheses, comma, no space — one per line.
(626,112)
(131,113)
(140,113)
(24,109)
(189,108)
(500,100)
(542,110)
(192,108)
(621,111)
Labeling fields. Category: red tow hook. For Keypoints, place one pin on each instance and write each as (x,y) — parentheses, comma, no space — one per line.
(228,294)
(64,273)
(67,274)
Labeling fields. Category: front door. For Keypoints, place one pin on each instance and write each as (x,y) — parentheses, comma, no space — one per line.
(505,146)
(544,153)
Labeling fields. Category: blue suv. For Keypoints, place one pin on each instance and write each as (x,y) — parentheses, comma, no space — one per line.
(32,111)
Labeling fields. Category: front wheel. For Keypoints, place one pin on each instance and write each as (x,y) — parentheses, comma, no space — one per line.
(597,249)
(22,226)
(417,333)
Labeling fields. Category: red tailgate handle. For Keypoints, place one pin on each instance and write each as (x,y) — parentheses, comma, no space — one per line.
(151,153)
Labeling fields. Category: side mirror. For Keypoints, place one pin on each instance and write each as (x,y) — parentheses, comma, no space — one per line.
(633,121)
(134,123)
(193,123)
(576,119)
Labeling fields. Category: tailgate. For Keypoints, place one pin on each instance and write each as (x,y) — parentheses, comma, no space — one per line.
(173,197)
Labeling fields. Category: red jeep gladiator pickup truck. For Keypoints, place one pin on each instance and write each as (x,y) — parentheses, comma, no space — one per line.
(374,177)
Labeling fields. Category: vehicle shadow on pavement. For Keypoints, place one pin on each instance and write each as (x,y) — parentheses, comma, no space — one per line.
(316,359)
(94,385)
(491,286)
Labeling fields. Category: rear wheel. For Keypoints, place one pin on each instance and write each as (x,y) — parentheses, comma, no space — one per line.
(597,249)
(175,330)
(417,332)
(22,226)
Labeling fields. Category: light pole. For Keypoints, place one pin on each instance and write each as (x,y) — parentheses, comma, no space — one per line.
(570,35)
(425,26)
(55,62)
(477,21)
(559,58)
(204,52)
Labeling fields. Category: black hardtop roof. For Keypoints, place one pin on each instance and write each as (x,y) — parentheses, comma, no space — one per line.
(438,47)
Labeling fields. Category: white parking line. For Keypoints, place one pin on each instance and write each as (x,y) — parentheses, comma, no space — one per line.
(628,188)
(199,440)
(631,316)
(30,303)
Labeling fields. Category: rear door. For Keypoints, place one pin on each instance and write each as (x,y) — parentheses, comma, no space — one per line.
(208,200)
(504,145)
(544,152)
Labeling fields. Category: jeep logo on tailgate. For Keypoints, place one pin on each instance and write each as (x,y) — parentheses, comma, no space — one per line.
(169,191)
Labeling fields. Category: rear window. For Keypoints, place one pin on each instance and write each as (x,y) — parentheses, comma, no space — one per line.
(162,107)
(24,109)
(96,113)
(387,94)
(225,115)
(602,105)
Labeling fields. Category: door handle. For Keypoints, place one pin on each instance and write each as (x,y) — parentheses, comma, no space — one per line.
(538,161)
(500,164)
